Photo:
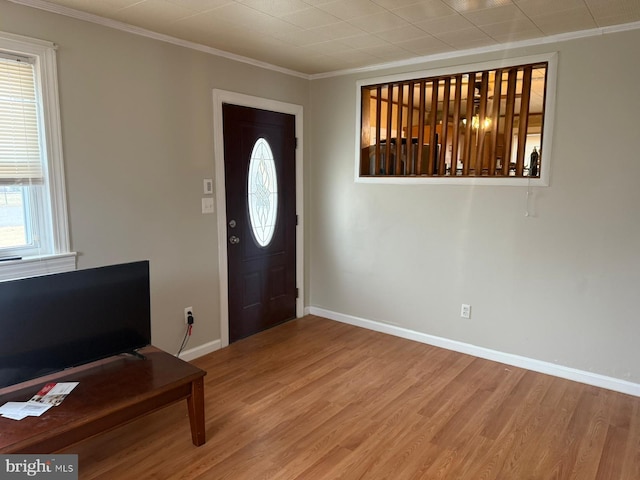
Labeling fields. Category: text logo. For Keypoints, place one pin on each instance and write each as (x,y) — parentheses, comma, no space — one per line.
(51,467)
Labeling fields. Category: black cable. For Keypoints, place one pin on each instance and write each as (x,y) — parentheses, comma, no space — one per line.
(184,341)
(187,333)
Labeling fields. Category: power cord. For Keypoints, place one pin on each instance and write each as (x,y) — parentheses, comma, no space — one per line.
(187,333)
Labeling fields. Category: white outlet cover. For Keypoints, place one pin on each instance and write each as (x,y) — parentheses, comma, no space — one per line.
(207,205)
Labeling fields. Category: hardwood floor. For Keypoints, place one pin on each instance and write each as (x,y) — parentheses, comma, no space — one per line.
(317,399)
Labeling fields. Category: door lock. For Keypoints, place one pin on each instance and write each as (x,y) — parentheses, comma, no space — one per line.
(233,240)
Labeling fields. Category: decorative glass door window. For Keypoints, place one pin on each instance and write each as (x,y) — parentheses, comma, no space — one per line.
(262,193)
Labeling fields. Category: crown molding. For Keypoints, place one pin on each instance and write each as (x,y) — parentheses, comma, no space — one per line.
(125,27)
(561,37)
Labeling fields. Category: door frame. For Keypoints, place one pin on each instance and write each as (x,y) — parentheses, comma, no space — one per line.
(226,96)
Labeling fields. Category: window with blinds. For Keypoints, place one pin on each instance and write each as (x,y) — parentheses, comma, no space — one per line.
(20,155)
(33,221)
(486,123)
(20,158)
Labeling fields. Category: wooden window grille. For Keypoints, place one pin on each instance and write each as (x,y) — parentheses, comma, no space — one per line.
(477,124)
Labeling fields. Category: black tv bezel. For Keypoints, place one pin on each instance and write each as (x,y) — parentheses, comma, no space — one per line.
(79,349)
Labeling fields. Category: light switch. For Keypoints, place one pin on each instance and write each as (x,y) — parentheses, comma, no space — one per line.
(207,205)
(208,186)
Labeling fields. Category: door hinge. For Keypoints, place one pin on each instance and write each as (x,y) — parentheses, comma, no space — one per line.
(297,293)
(296,220)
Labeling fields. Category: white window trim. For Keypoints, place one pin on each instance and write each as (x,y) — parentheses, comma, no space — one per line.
(62,259)
(33,266)
(549,116)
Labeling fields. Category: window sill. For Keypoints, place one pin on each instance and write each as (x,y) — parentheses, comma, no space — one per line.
(40,265)
(475,181)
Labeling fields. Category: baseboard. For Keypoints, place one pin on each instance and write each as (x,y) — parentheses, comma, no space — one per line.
(561,371)
(200,350)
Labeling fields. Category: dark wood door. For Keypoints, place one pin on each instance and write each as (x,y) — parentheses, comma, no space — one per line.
(259,159)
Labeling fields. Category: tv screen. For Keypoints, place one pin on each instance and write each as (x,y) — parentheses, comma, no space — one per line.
(53,322)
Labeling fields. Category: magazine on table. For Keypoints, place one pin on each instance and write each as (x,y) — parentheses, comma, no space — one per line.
(53,393)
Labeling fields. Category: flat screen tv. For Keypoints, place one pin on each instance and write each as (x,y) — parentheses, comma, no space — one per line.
(52,322)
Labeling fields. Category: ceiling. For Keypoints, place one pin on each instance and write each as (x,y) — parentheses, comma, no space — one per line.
(314,37)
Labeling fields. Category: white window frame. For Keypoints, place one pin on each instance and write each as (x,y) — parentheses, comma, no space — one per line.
(58,257)
(549,115)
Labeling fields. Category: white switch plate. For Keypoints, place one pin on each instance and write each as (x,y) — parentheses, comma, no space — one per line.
(208,186)
(207,205)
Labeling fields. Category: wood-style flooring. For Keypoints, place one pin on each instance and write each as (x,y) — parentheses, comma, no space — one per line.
(317,399)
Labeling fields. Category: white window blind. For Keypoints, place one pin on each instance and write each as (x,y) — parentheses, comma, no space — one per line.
(20,153)
(34,231)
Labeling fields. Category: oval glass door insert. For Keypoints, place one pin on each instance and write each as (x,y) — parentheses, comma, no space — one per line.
(262,193)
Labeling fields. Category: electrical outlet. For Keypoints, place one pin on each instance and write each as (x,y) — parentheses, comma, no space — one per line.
(187,311)
(465,311)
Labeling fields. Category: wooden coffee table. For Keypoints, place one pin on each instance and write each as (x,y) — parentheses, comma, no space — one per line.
(110,393)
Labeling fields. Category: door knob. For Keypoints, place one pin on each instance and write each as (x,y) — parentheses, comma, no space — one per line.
(233,240)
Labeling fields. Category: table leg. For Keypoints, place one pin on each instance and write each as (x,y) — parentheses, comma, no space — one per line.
(195,403)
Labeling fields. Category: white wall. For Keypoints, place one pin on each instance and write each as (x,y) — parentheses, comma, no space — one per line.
(558,286)
(137,127)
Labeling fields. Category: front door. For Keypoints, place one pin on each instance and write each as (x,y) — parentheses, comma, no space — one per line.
(259,162)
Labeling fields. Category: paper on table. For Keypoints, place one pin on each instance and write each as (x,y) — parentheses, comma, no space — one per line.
(53,393)
(11,407)
(20,410)
(14,417)
(50,395)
